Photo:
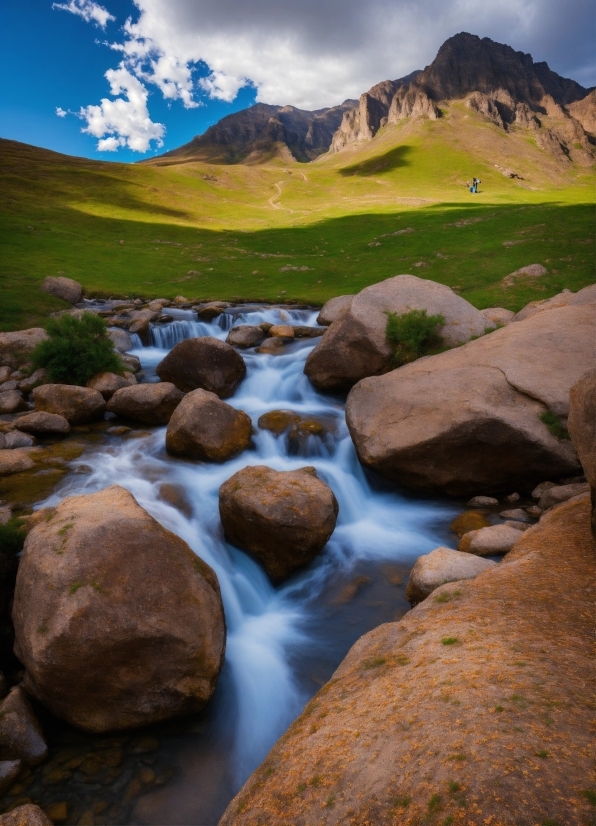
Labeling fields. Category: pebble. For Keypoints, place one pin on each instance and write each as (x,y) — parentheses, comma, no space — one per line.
(482,502)
(513,497)
(518,514)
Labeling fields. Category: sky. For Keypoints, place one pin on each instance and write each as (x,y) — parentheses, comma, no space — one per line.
(127,79)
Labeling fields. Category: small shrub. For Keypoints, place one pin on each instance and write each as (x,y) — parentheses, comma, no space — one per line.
(76,350)
(412,335)
(12,538)
(543,753)
(449,640)
(554,425)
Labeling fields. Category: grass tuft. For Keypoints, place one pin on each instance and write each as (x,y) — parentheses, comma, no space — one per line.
(449,641)
(554,425)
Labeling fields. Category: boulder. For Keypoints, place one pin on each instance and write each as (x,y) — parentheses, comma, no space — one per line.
(278,421)
(16,439)
(301,331)
(11,401)
(108,383)
(561,493)
(21,737)
(565,299)
(272,347)
(468,521)
(27,815)
(284,518)
(203,363)
(518,514)
(356,345)
(41,423)
(541,488)
(582,429)
(121,339)
(496,539)
(16,348)
(36,378)
(148,403)
(132,363)
(78,405)
(5,373)
(9,771)
(469,418)
(15,461)
(498,315)
(440,566)
(245,335)
(207,428)
(152,645)
(65,288)
(281,331)
(207,312)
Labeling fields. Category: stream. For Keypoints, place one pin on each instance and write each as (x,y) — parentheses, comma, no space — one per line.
(283,643)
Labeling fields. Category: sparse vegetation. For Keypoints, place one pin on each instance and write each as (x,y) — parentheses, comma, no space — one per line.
(435,802)
(412,335)
(542,753)
(590,795)
(374,662)
(449,640)
(554,425)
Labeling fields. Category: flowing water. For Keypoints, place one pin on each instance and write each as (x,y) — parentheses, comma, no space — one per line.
(283,643)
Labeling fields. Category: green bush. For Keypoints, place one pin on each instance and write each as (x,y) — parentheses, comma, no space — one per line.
(412,335)
(554,424)
(77,349)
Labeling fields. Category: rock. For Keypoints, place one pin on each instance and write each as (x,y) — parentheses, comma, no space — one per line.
(27,815)
(41,423)
(498,315)
(513,497)
(561,493)
(5,515)
(468,521)
(278,421)
(469,418)
(203,363)
(412,103)
(21,737)
(284,518)
(148,403)
(519,526)
(131,363)
(108,383)
(152,645)
(582,429)
(272,347)
(482,502)
(440,566)
(58,812)
(118,430)
(566,298)
(529,271)
(15,461)
(518,514)
(122,340)
(204,427)
(78,405)
(65,288)
(356,346)
(9,771)
(541,488)
(17,439)
(16,348)
(207,312)
(301,331)
(5,373)
(281,331)
(496,539)
(534,511)
(34,380)
(11,401)
(245,335)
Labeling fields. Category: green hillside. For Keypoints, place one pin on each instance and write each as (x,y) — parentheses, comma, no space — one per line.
(306,232)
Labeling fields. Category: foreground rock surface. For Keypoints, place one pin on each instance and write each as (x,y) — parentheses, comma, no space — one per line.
(26,815)
(331,311)
(147,403)
(203,363)
(469,419)
(356,345)
(152,645)
(78,405)
(205,427)
(108,383)
(284,518)
(440,566)
(582,428)
(491,541)
(405,716)
(16,348)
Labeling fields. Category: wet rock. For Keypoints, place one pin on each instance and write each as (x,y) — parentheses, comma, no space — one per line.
(245,335)
(497,539)
(78,577)
(561,493)
(34,380)
(518,514)
(15,461)
(356,345)
(440,566)
(519,526)
(207,312)
(331,311)
(65,288)
(148,403)
(468,521)
(498,315)
(16,439)
(582,428)
(284,518)
(203,363)
(175,496)
(78,405)
(9,771)
(11,401)
(16,347)
(205,427)
(121,339)
(272,347)
(21,737)
(41,423)
(27,815)
(131,363)
(118,430)
(278,421)
(108,383)
(281,331)
(301,331)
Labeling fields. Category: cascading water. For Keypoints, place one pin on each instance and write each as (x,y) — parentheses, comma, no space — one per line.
(282,642)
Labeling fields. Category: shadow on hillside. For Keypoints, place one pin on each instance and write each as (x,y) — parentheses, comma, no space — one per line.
(393,159)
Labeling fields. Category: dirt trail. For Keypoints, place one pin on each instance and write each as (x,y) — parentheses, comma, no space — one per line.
(473,709)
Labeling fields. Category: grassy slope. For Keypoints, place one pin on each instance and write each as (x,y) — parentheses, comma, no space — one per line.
(211,231)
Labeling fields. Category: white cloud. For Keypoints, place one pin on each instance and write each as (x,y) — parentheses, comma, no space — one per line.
(88,10)
(62,113)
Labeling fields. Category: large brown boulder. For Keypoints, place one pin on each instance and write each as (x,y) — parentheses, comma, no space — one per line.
(11,401)
(204,427)
(470,419)
(107,383)
(356,344)
(582,429)
(118,623)
(331,310)
(148,403)
(41,423)
(78,405)
(203,363)
(245,335)
(65,288)
(16,348)
(284,518)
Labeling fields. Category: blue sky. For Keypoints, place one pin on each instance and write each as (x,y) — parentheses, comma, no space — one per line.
(178,66)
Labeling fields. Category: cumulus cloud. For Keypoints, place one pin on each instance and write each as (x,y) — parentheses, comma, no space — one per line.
(88,10)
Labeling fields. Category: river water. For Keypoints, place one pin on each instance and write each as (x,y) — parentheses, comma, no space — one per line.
(283,643)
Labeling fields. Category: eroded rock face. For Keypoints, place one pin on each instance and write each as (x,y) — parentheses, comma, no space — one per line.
(43,423)
(16,348)
(284,518)
(440,566)
(203,363)
(148,403)
(108,383)
(582,428)
(65,288)
(78,405)
(469,419)
(152,645)
(331,310)
(356,345)
(205,427)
